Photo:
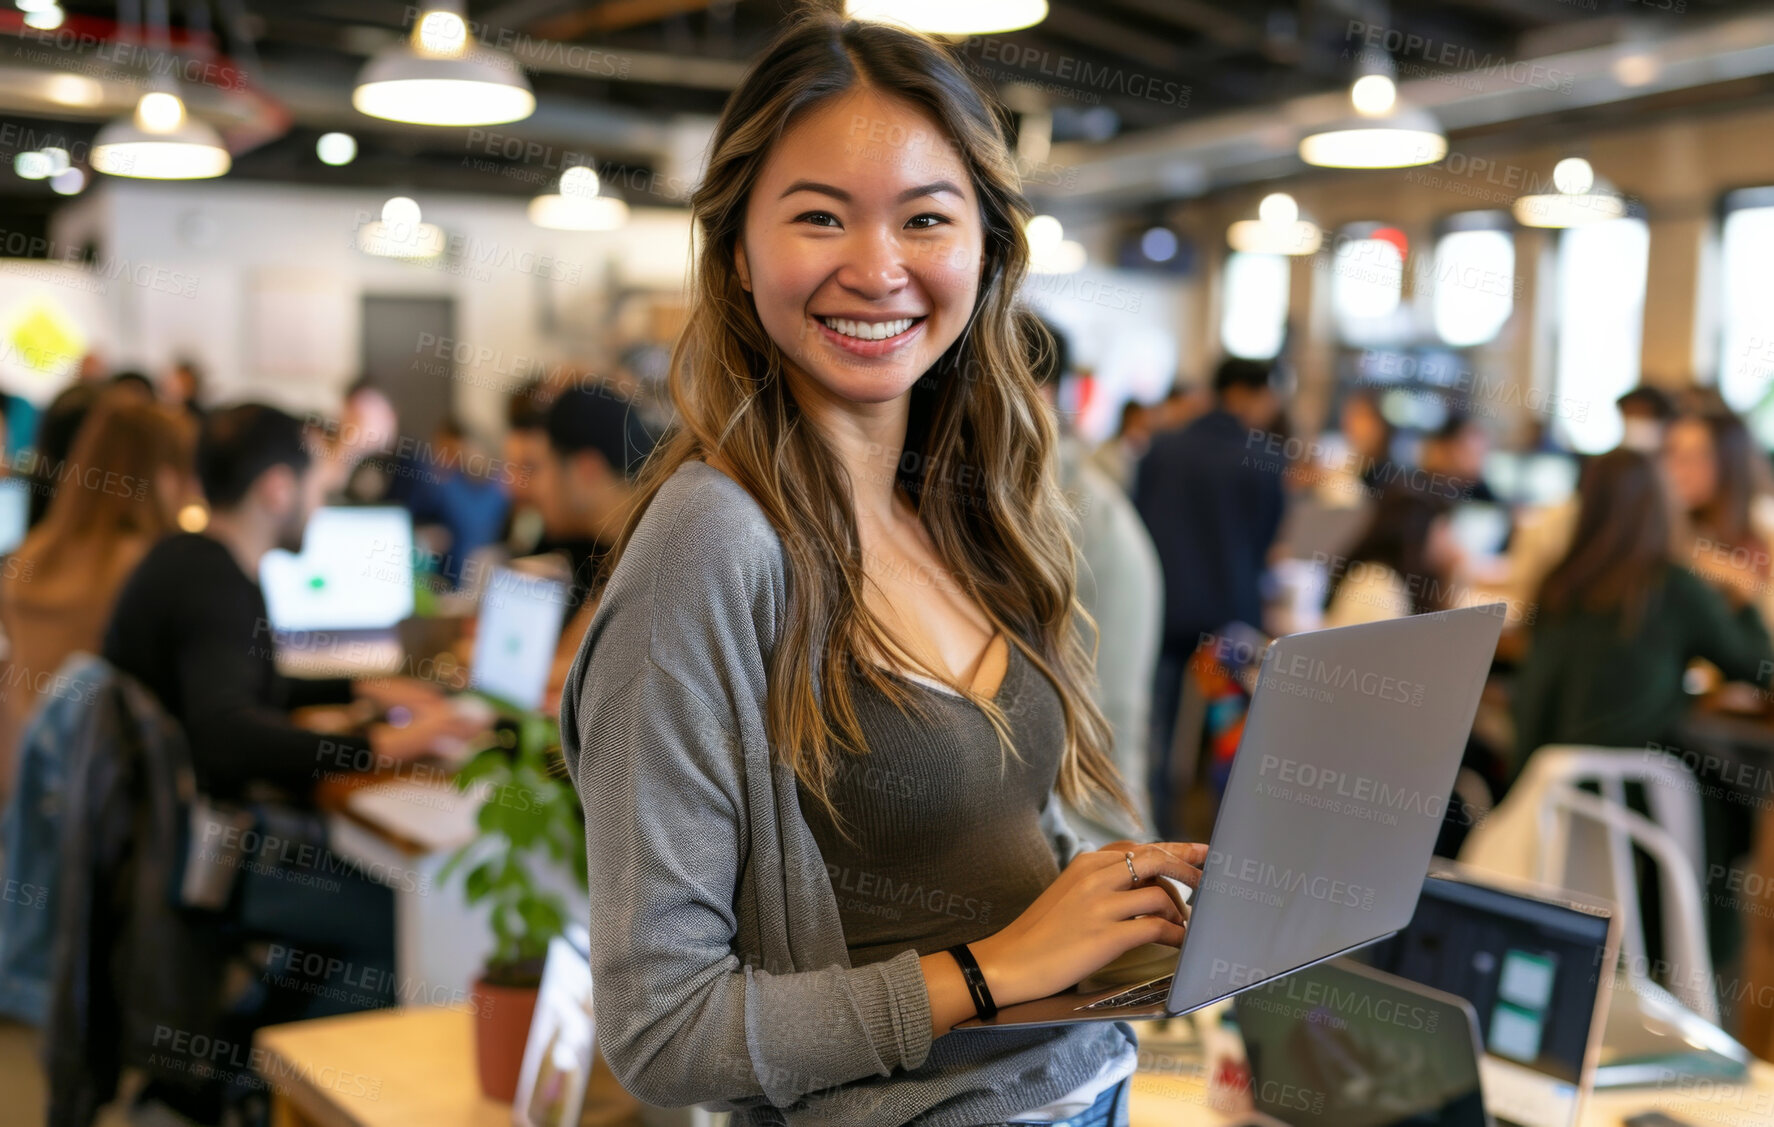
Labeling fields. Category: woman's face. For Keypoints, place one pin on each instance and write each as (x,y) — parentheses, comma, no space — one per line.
(1691,463)
(862,248)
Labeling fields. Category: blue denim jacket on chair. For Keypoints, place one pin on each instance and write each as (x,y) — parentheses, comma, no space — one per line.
(31,828)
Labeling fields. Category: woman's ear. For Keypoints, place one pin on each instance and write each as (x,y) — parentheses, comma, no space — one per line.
(742,266)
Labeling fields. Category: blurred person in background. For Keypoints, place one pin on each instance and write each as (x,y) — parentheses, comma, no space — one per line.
(1457,451)
(361,468)
(1541,537)
(130,473)
(1211,497)
(56,428)
(1120,586)
(134,383)
(458,499)
(1118,455)
(1712,465)
(191,625)
(596,444)
(1619,622)
(524,448)
(1403,564)
(1369,436)
(182,389)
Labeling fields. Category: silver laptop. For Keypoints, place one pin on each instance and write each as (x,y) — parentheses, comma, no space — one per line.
(1330,815)
(1345,1045)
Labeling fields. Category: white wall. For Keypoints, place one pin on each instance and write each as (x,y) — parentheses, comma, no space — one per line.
(262,284)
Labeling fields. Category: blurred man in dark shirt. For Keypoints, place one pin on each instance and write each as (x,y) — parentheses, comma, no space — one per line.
(1211,496)
(191,625)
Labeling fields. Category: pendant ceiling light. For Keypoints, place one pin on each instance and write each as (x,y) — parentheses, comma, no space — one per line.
(577,206)
(1579,196)
(1277,229)
(160,141)
(441,76)
(951,17)
(1382,133)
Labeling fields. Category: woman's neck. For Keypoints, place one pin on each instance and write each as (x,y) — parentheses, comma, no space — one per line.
(868,438)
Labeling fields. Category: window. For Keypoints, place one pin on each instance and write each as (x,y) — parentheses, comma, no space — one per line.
(1601,315)
(1253,319)
(1746,354)
(1474,286)
(1367,282)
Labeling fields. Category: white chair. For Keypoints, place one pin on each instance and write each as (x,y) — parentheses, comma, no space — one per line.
(1595,850)
(1688,959)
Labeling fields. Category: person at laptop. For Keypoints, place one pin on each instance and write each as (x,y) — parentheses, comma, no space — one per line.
(191,625)
(834,688)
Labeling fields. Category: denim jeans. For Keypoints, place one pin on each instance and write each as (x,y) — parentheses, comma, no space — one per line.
(1109,1110)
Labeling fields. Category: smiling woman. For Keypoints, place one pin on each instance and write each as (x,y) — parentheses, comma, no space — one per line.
(857,415)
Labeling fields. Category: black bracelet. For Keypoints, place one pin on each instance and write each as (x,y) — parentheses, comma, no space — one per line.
(976,982)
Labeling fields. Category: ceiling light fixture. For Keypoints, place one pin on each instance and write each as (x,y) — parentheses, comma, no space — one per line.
(1579,196)
(1277,229)
(577,206)
(399,233)
(951,17)
(441,76)
(1383,133)
(160,142)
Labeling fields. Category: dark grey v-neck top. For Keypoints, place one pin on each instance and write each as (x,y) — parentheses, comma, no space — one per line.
(945,843)
(720,971)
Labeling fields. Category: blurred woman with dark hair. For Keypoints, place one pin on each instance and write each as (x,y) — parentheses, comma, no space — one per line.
(1403,564)
(1619,621)
(1714,472)
(117,493)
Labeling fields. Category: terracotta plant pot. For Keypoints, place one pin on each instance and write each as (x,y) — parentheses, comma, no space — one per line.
(502,1025)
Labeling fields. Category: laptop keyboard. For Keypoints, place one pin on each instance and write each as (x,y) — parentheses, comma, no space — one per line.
(1144,994)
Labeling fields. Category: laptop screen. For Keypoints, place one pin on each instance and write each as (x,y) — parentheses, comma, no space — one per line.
(514,639)
(15,508)
(1531,968)
(1340,1045)
(355,572)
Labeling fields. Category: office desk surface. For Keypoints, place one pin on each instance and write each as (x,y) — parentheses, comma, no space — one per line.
(396,1068)
(1175,1095)
(415,1068)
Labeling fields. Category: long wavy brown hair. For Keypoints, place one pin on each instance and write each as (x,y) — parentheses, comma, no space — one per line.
(979,460)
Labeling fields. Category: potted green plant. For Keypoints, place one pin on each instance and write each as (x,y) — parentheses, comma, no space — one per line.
(529,819)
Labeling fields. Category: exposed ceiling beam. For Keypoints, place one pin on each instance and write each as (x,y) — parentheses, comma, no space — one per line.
(614,15)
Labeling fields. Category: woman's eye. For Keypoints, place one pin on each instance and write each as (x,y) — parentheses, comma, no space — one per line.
(926,221)
(818,218)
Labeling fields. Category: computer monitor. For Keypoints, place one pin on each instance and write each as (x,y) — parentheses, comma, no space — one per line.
(355,572)
(15,513)
(514,640)
(1343,1045)
(1536,965)
(1534,479)
(1480,528)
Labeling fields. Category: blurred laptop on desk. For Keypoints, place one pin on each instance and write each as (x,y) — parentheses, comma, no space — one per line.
(335,606)
(1344,1045)
(1537,966)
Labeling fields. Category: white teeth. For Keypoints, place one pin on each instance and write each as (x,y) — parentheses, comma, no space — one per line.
(868,330)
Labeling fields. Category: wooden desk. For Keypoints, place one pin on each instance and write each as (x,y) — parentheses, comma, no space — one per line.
(1172,1092)
(402,1068)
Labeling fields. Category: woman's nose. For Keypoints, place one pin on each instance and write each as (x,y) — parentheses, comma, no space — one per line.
(875,268)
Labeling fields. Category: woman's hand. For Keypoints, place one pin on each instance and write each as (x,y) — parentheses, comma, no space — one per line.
(1093,914)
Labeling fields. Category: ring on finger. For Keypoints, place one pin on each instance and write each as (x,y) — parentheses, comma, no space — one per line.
(1128,857)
